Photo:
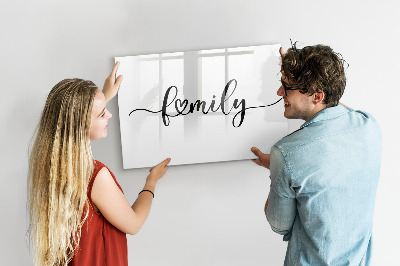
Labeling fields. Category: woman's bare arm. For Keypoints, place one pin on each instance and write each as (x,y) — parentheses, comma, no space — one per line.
(114,206)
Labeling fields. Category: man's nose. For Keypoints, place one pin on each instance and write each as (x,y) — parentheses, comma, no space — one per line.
(280,91)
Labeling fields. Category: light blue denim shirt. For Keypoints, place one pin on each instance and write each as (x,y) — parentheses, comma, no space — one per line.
(323,183)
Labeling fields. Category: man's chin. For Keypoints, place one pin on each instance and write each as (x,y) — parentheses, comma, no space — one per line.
(287,115)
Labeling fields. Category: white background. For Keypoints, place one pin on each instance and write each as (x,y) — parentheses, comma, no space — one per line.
(205,214)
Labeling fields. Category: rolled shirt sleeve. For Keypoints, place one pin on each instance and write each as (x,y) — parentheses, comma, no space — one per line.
(281,210)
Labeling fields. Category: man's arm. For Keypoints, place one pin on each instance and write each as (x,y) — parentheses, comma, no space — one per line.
(280,208)
(280,213)
(263,158)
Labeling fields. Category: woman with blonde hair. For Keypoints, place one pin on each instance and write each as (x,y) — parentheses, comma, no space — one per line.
(78,212)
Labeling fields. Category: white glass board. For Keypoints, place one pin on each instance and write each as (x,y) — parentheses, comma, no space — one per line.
(199,106)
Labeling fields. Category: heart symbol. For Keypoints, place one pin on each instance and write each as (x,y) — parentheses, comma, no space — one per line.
(182,105)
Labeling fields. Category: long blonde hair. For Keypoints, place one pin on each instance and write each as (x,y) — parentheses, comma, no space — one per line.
(60,167)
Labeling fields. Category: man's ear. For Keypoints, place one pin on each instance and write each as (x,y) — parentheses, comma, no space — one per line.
(318,97)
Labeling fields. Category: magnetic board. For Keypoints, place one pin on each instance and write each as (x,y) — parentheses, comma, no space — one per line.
(199,106)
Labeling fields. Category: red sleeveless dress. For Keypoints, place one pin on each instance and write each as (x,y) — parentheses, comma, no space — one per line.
(101,243)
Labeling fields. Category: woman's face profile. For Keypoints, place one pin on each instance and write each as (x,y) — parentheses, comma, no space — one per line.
(100,116)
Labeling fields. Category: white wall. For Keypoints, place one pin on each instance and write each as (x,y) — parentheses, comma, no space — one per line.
(206,214)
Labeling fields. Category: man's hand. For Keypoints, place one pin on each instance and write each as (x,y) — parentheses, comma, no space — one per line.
(263,158)
(111,85)
(281,52)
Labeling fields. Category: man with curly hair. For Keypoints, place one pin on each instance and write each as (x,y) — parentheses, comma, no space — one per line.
(325,174)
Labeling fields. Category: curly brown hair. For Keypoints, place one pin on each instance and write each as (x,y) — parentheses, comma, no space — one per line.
(316,69)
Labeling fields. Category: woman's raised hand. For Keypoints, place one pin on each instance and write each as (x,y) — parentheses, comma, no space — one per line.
(111,85)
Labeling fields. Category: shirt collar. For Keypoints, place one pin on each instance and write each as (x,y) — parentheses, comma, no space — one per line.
(325,114)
